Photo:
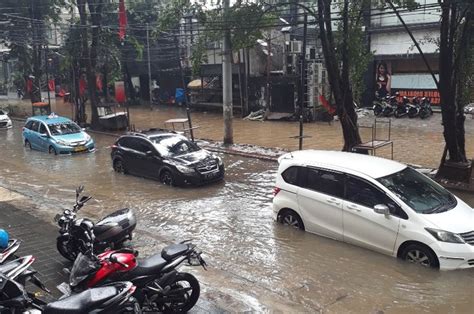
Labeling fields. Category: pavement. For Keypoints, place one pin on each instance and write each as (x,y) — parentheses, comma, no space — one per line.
(38,238)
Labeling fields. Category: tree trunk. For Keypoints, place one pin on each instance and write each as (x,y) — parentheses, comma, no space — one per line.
(339,79)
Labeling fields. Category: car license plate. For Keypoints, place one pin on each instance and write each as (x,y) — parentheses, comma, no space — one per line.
(80,148)
(211,175)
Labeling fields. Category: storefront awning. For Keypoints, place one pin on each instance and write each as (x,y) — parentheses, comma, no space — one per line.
(413,81)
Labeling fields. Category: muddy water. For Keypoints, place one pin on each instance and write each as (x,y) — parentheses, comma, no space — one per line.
(253,259)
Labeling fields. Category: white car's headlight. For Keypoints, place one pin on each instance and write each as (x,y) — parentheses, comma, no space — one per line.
(445,236)
(184,169)
(88,137)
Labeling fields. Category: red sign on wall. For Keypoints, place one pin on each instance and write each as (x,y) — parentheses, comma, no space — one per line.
(433,95)
(120,92)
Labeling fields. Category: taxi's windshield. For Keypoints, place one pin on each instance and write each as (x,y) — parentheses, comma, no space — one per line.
(64,128)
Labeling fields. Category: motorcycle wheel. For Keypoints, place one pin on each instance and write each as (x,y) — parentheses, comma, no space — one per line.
(397,114)
(377,110)
(424,114)
(65,249)
(182,296)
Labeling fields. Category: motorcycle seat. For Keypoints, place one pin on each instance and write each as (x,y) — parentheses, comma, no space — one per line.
(100,228)
(6,268)
(83,302)
(174,250)
(149,265)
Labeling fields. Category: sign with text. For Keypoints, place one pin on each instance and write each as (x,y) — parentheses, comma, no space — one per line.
(433,95)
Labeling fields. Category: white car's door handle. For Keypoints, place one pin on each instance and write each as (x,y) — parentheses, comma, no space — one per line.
(353,207)
(333,201)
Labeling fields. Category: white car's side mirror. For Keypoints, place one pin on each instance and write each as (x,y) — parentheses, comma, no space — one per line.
(382,209)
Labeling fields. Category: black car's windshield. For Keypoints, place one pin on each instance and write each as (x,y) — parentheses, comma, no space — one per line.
(64,128)
(419,192)
(172,145)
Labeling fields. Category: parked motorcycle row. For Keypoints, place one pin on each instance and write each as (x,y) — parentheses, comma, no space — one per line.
(415,107)
(106,276)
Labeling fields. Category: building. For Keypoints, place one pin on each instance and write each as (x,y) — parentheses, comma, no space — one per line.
(393,47)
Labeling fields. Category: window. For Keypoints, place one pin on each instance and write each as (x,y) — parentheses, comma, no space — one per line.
(134,143)
(42,129)
(64,128)
(327,182)
(35,126)
(29,124)
(363,193)
(290,175)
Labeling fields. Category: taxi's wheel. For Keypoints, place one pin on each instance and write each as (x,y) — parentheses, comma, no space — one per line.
(27,144)
(52,150)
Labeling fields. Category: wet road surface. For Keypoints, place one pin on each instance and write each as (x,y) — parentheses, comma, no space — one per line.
(256,264)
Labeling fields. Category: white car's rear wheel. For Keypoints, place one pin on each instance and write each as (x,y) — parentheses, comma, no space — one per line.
(290,218)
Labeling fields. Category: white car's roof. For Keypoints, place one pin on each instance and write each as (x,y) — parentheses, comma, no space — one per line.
(371,166)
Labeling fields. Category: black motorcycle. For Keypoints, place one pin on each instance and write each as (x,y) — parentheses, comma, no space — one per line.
(379,105)
(425,108)
(112,298)
(414,108)
(110,232)
(390,105)
(402,108)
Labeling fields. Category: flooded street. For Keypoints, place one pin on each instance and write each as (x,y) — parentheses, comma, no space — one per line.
(255,263)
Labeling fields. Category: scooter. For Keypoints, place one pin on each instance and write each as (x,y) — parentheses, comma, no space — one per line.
(9,251)
(414,107)
(113,298)
(110,232)
(160,287)
(402,108)
(391,104)
(21,271)
(425,108)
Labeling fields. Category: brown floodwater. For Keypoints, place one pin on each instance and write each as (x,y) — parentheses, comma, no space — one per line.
(255,263)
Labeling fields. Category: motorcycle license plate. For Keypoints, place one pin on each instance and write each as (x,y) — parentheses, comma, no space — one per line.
(80,148)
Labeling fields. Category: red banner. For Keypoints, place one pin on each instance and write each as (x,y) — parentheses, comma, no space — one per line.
(82,87)
(120,92)
(122,20)
(98,82)
(51,85)
(433,95)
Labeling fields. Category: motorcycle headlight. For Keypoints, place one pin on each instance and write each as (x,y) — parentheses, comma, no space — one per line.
(184,169)
(445,236)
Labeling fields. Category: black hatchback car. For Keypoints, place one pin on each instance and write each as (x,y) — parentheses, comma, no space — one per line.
(167,156)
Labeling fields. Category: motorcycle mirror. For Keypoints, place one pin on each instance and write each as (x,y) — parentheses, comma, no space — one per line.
(79,189)
(84,199)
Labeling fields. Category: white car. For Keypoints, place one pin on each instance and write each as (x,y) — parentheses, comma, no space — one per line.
(5,122)
(375,203)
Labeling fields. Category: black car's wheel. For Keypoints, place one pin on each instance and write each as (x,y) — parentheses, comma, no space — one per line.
(65,249)
(119,166)
(52,150)
(291,218)
(166,177)
(183,294)
(420,254)
(28,144)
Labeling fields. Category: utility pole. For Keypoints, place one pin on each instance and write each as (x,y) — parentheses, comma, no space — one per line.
(149,65)
(269,67)
(302,93)
(227,82)
(46,65)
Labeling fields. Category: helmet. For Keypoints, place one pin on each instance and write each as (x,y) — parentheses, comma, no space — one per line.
(4,237)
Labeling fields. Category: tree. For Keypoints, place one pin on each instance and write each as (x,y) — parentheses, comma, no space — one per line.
(454,54)
(338,72)
(24,33)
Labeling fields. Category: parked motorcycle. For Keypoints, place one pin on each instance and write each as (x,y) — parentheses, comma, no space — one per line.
(414,107)
(110,232)
(390,105)
(402,108)
(9,251)
(112,298)
(379,105)
(160,287)
(21,271)
(425,108)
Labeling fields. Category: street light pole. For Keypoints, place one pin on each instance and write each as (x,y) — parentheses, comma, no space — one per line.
(227,82)
(149,65)
(302,97)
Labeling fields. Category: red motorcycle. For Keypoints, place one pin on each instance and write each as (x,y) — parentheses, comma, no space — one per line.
(160,287)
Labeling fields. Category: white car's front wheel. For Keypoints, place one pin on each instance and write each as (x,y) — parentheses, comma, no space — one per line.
(420,254)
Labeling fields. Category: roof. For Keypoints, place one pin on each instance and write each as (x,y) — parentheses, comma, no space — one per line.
(371,166)
(47,120)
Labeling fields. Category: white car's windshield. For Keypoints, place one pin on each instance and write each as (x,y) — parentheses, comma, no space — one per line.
(64,128)
(172,145)
(419,192)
